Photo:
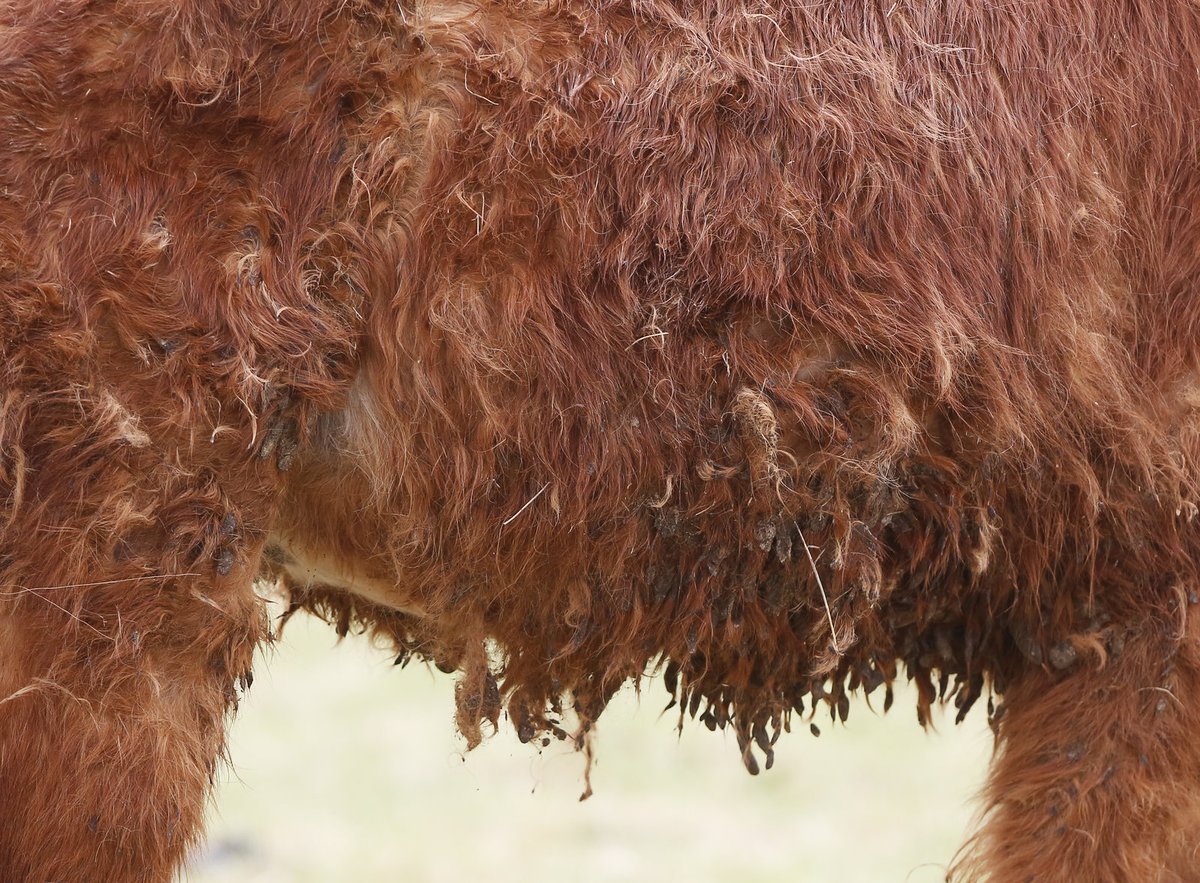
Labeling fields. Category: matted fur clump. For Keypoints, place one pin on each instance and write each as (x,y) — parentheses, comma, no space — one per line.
(785,349)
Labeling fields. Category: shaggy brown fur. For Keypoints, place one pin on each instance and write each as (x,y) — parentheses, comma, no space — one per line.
(781,345)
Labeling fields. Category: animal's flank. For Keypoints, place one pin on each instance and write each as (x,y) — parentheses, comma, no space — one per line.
(777,347)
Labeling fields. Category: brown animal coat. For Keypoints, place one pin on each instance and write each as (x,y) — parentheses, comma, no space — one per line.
(783,342)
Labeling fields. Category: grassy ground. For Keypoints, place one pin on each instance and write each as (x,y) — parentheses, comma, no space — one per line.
(348,771)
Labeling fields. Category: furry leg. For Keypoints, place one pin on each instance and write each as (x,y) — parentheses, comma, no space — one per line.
(113,701)
(1097,774)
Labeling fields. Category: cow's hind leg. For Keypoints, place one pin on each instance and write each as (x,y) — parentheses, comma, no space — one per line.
(1097,773)
(114,689)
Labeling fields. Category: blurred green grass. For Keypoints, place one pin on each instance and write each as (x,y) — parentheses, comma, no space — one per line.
(348,769)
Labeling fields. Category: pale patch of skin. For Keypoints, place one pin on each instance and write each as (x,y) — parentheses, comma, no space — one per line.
(306,567)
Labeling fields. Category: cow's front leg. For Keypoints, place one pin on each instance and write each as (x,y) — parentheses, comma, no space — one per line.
(1097,772)
(115,685)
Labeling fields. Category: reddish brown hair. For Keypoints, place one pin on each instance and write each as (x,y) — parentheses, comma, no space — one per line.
(776,345)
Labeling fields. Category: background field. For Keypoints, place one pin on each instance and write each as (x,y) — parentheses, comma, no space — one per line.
(348,771)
